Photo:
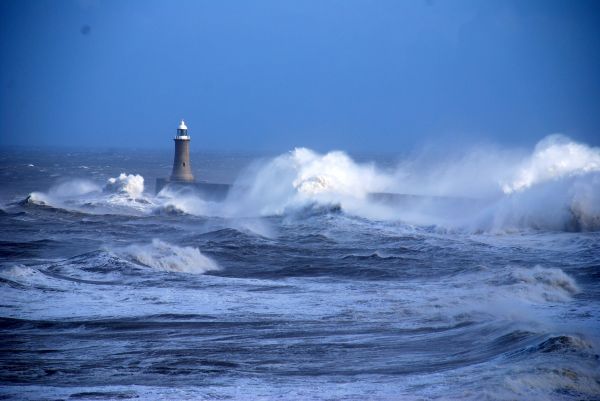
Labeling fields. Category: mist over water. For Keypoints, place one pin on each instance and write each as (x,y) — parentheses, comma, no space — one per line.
(469,276)
(555,187)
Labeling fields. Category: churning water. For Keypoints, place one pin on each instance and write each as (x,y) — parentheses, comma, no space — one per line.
(307,282)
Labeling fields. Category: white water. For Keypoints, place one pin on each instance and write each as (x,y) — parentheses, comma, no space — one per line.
(359,307)
(131,185)
(555,187)
(161,255)
(553,158)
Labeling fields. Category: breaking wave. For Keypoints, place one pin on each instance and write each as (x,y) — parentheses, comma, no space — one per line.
(131,185)
(564,343)
(303,177)
(556,187)
(161,255)
(18,273)
(120,195)
(512,292)
(174,201)
(542,284)
(56,195)
(554,157)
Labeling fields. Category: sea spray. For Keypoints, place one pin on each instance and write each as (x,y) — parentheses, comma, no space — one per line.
(73,188)
(555,157)
(302,177)
(324,295)
(128,184)
(555,187)
(182,200)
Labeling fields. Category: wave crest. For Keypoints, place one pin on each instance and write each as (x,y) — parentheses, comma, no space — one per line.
(302,177)
(556,187)
(161,255)
(129,184)
(555,157)
(541,283)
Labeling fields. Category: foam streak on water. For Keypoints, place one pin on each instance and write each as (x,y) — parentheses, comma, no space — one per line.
(302,284)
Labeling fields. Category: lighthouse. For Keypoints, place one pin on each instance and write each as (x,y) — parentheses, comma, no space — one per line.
(182,169)
(182,178)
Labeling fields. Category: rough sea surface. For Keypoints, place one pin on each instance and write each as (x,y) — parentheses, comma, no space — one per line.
(301,285)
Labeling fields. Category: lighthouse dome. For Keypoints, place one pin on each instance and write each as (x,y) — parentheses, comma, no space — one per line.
(182,125)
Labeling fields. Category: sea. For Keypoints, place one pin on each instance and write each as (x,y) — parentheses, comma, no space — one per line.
(322,276)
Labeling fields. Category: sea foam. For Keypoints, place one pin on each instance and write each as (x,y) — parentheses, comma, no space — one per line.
(555,157)
(555,187)
(129,184)
(161,255)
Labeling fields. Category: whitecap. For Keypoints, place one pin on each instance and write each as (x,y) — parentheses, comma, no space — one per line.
(161,255)
(128,184)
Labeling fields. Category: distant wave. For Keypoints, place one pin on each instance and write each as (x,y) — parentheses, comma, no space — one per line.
(120,195)
(556,187)
(131,185)
(555,157)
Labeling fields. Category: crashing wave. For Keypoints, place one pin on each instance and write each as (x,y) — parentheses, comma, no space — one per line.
(556,187)
(120,195)
(303,177)
(566,204)
(127,184)
(182,200)
(540,283)
(161,255)
(35,199)
(333,173)
(554,157)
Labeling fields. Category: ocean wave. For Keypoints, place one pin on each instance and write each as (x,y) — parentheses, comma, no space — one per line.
(61,195)
(168,210)
(564,344)
(35,199)
(19,249)
(161,255)
(182,200)
(556,188)
(551,382)
(515,287)
(540,283)
(18,272)
(26,277)
(555,157)
(302,177)
(38,201)
(131,185)
(515,293)
(120,195)
(569,203)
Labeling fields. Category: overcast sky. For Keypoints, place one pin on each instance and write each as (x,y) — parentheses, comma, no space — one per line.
(272,75)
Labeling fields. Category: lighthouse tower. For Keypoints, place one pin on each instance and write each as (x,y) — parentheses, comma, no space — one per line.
(182,169)
(182,177)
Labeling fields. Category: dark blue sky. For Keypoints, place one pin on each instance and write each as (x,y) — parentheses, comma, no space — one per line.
(271,75)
